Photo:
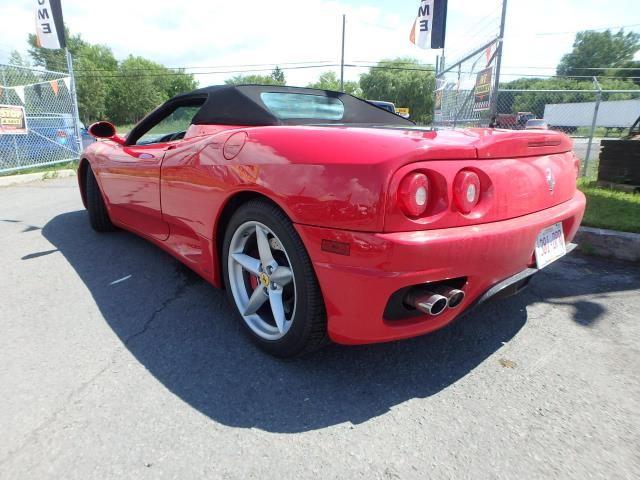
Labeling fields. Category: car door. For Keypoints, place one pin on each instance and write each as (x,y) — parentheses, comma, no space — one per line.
(131,180)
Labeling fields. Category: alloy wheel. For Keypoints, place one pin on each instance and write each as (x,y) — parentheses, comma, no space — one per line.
(262,281)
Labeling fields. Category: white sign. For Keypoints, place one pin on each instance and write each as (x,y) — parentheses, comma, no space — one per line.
(48,19)
(421,33)
(428,30)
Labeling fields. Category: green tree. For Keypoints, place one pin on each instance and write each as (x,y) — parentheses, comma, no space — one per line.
(250,80)
(403,81)
(599,50)
(329,81)
(275,78)
(180,82)
(628,70)
(535,101)
(17,73)
(95,68)
(15,58)
(123,92)
(55,59)
(140,86)
(278,76)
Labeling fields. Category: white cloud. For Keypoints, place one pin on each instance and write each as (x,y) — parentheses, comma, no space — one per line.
(212,33)
(219,32)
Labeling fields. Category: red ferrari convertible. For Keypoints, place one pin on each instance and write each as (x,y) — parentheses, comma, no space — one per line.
(326,217)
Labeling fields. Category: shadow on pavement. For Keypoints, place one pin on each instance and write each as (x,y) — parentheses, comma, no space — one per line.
(591,279)
(184,333)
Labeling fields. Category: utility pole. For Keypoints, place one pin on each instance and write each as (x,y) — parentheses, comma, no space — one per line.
(344,21)
(496,85)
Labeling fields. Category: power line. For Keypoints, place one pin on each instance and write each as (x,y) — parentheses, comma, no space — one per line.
(576,68)
(169,73)
(490,20)
(182,70)
(566,76)
(383,65)
(586,30)
(270,65)
(377,67)
(508,67)
(217,72)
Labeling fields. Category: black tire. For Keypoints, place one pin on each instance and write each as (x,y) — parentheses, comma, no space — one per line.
(98,215)
(308,330)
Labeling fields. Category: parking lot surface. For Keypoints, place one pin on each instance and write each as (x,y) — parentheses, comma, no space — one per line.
(117,362)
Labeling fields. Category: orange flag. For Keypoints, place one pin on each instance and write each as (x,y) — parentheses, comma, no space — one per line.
(54,86)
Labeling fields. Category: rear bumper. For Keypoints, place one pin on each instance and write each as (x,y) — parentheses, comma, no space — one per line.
(357,287)
(512,285)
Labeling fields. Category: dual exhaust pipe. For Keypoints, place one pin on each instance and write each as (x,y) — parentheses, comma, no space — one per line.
(435,300)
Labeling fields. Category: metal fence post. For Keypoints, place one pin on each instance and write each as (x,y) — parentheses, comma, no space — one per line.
(435,88)
(74,101)
(585,170)
(493,99)
(455,115)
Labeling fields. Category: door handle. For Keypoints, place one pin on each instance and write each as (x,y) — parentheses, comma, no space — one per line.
(171,147)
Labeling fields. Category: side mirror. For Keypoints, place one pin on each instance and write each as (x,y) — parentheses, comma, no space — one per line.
(105,130)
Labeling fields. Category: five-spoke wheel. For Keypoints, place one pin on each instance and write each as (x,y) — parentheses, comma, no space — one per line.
(270,280)
(261,280)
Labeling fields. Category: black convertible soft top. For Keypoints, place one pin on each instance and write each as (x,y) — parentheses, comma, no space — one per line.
(244,105)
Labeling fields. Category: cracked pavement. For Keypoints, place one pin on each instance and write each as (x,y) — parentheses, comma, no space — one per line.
(118,362)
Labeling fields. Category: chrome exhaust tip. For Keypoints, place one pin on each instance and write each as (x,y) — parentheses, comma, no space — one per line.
(455,298)
(428,302)
(453,295)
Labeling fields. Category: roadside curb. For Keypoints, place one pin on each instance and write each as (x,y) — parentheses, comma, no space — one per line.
(609,243)
(33,177)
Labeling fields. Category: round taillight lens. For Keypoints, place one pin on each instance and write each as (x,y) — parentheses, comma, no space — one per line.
(413,194)
(466,191)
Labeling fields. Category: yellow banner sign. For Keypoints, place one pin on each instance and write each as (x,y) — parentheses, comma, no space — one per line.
(482,90)
(13,120)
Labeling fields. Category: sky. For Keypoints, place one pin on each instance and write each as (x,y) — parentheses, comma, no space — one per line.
(220,35)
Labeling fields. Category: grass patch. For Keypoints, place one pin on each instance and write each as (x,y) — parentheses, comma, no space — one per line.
(50,171)
(601,132)
(607,208)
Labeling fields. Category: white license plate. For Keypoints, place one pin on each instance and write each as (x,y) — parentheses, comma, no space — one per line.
(550,245)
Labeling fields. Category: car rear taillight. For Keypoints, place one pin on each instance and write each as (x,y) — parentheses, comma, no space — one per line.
(413,194)
(466,190)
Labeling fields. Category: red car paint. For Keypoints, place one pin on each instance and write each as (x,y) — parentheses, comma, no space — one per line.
(340,184)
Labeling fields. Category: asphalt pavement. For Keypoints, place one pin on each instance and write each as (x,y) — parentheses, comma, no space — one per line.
(117,362)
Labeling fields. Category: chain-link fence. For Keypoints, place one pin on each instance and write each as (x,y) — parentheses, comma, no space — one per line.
(463,90)
(37,121)
(588,116)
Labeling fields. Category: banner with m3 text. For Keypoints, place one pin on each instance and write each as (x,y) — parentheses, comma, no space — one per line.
(49,24)
(428,30)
